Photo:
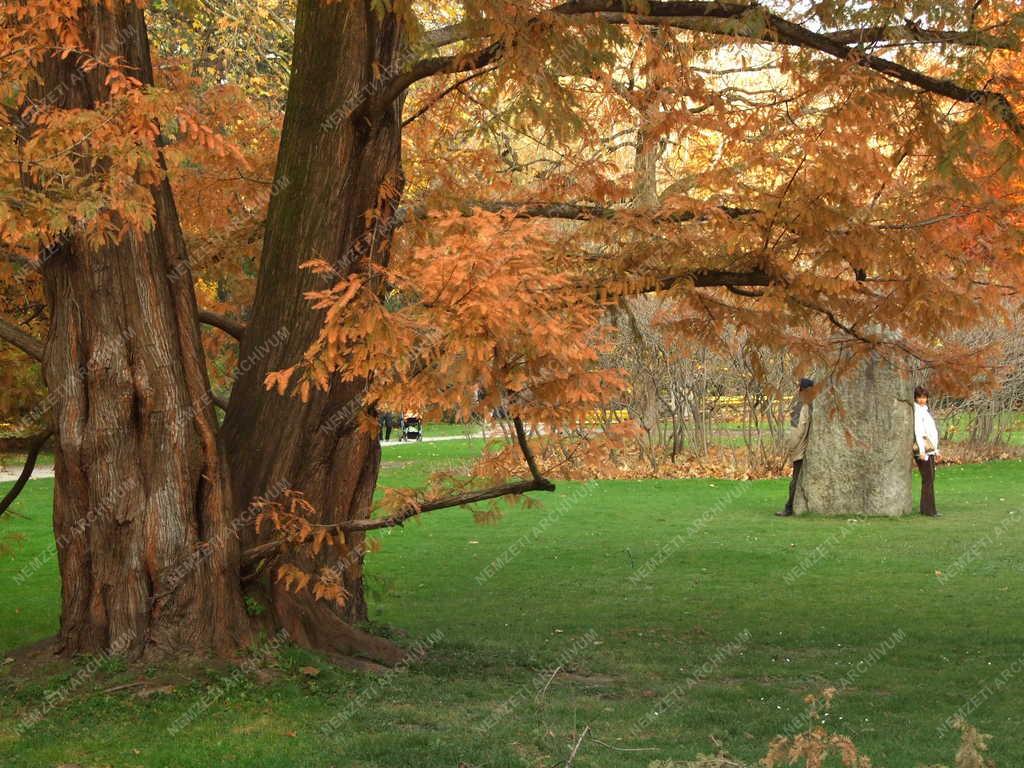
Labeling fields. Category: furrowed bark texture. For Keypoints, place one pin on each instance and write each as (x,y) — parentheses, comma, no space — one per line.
(330,172)
(142,501)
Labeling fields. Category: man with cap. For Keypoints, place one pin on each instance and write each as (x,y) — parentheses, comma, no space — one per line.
(796,439)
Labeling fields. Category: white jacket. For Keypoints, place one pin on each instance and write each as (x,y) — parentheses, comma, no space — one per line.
(924,427)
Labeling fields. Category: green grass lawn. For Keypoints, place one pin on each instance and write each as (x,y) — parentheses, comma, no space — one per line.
(675,613)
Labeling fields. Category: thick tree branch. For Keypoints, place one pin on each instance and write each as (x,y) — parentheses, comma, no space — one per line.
(442,36)
(774,28)
(375,104)
(524,446)
(734,280)
(579,211)
(229,325)
(745,292)
(453,87)
(537,482)
(882,34)
(26,471)
(27,343)
(909,32)
(457,500)
(763,25)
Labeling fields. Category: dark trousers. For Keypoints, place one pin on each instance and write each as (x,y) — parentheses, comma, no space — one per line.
(927,470)
(387,430)
(792,484)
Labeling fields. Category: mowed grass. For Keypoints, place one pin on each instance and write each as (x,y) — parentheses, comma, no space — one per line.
(662,615)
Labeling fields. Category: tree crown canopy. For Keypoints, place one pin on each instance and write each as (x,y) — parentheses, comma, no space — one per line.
(444,210)
(787,168)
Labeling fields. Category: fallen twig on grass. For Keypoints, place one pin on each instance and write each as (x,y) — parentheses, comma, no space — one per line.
(572,755)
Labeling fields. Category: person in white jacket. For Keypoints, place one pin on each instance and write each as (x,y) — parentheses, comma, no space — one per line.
(926,450)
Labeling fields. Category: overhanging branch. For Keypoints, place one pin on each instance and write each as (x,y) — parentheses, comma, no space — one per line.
(457,500)
(580,211)
(537,482)
(764,26)
(27,343)
(26,472)
(734,280)
(876,35)
(910,32)
(230,326)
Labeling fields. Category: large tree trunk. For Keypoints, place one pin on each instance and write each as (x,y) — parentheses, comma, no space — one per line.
(145,510)
(859,455)
(330,172)
(142,500)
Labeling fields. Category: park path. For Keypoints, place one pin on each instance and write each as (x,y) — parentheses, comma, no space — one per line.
(11,472)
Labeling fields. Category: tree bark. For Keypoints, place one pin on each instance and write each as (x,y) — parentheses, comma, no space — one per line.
(859,459)
(149,521)
(330,172)
(141,497)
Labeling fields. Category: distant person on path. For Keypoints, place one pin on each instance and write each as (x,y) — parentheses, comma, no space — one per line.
(389,424)
(926,450)
(796,439)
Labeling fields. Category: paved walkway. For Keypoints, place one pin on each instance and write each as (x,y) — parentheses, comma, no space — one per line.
(12,470)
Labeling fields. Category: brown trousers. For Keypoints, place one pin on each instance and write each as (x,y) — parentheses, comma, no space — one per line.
(927,470)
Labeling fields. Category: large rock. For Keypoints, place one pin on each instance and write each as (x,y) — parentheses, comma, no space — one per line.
(858,459)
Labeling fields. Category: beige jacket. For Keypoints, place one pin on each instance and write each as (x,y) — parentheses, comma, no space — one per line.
(795,443)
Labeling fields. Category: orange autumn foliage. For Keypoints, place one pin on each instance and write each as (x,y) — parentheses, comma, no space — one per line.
(757,183)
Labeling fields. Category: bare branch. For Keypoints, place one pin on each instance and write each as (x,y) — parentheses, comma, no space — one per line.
(699,278)
(457,500)
(524,446)
(26,472)
(442,36)
(580,211)
(537,483)
(453,87)
(27,343)
(768,27)
(229,325)
(407,513)
(910,32)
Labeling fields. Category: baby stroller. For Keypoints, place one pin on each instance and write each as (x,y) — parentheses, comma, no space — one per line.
(412,428)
